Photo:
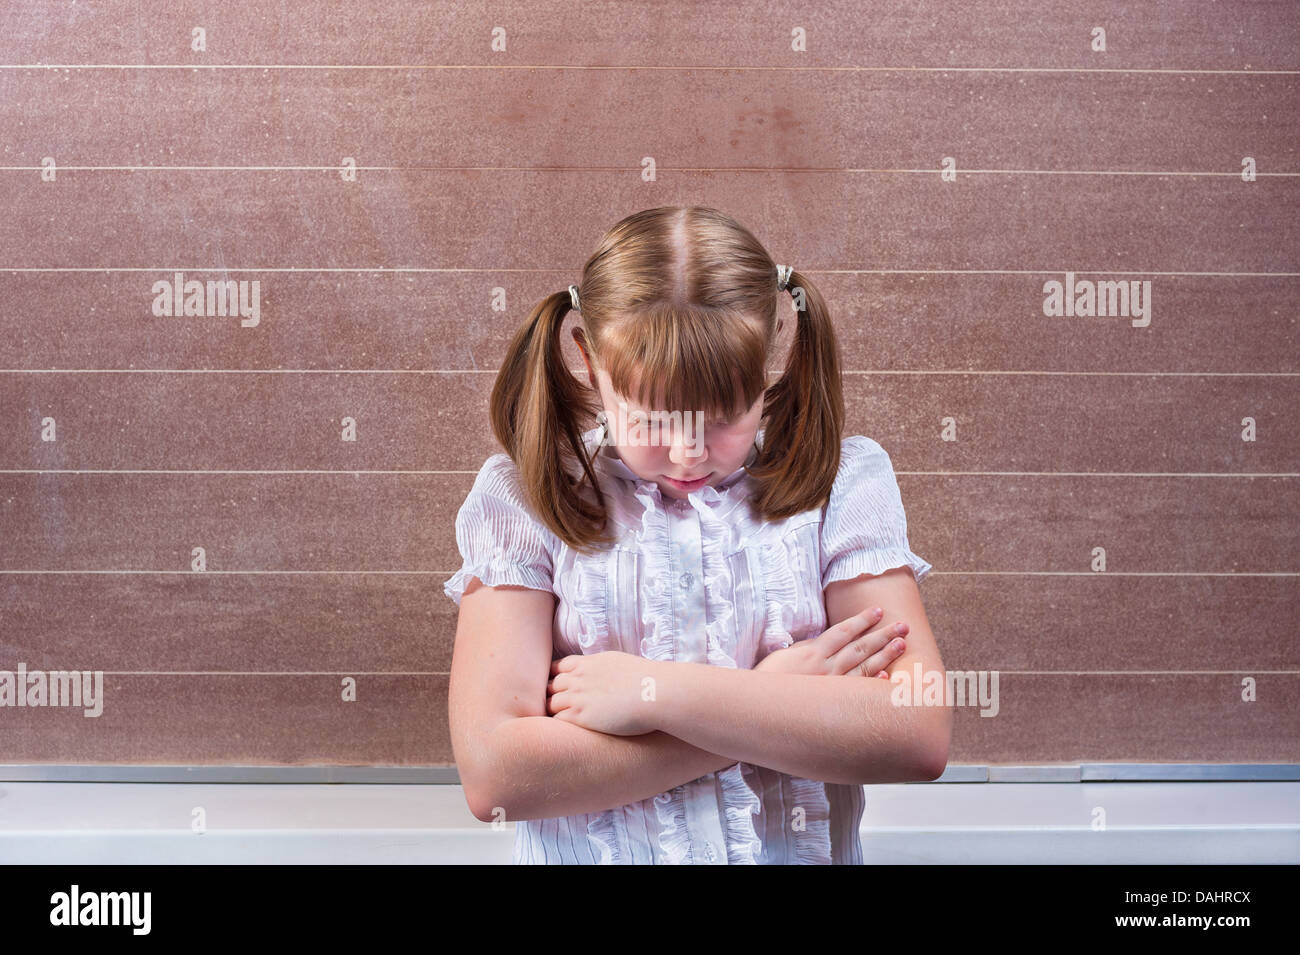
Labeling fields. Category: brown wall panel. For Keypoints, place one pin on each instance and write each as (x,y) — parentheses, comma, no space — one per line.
(421,323)
(1008,34)
(401,218)
(1142,122)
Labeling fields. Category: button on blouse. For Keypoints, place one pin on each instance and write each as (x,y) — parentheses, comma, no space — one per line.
(696,580)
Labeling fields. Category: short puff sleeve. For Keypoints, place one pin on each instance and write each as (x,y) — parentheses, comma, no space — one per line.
(499,539)
(864,530)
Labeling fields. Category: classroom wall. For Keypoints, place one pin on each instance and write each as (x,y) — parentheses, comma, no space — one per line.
(238,518)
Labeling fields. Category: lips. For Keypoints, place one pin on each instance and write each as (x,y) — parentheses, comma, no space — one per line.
(688,484)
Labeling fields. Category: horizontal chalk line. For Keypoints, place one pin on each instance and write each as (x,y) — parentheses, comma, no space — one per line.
(228,471)
(636,66)
(448,573)
(502,271)
(355,471)
(578,371)
(927,171)
(405,673)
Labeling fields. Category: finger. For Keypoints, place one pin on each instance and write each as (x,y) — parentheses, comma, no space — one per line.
(843,633)
(876,663)
(859,652)
(857,656)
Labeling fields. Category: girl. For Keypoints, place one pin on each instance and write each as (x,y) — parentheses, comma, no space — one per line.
(643,603)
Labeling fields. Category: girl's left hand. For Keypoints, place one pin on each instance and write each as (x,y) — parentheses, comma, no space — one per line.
(610,692)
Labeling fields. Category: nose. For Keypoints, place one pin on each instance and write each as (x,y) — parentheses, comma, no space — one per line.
(686,447)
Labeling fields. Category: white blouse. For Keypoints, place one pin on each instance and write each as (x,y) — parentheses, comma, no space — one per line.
(700,581)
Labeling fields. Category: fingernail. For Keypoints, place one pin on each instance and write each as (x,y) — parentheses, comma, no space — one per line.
(876,612)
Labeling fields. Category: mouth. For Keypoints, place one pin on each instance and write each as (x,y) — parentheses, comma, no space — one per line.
(687,485)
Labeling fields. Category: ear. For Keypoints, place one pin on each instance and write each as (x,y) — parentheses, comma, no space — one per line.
(580,340)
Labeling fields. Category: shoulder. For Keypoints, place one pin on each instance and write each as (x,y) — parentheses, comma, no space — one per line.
(500,480)
(500,539)
(499,474)
(865,491)
(862,461)
(498,492)
(857,450)
(864,530)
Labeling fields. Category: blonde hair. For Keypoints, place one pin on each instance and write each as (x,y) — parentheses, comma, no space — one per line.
(685,298)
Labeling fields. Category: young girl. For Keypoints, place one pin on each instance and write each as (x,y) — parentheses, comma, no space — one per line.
(655,611)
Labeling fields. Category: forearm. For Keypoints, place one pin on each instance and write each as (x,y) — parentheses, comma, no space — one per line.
(544,767)
(833,730)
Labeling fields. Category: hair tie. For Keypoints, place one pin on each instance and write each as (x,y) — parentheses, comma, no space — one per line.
(783,273)
(573,297)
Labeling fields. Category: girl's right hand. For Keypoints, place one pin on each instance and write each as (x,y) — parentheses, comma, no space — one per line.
(849,647)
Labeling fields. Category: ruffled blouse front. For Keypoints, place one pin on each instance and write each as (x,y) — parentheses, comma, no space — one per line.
(695,580)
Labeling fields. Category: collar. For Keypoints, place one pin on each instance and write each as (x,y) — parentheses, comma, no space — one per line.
(608,462)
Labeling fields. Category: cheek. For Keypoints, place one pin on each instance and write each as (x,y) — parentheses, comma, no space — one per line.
(731,447)
(640,457)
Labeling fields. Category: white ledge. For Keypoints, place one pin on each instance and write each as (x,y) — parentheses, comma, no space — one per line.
(357,823)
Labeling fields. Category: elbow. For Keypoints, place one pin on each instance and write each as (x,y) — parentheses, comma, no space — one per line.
(475,798)
(478,783)
(485,780)
(931,763)
(924,757)
(932,746)
(482,810)
(483,800)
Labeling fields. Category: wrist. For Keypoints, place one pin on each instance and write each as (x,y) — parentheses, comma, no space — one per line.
(682,696)
(661,673)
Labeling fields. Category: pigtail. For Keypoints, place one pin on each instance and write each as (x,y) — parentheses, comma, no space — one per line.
(805,414)
(536,409)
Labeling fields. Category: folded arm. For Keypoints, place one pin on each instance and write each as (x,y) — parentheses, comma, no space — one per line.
(515,761)
(545,767)
(839,731)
